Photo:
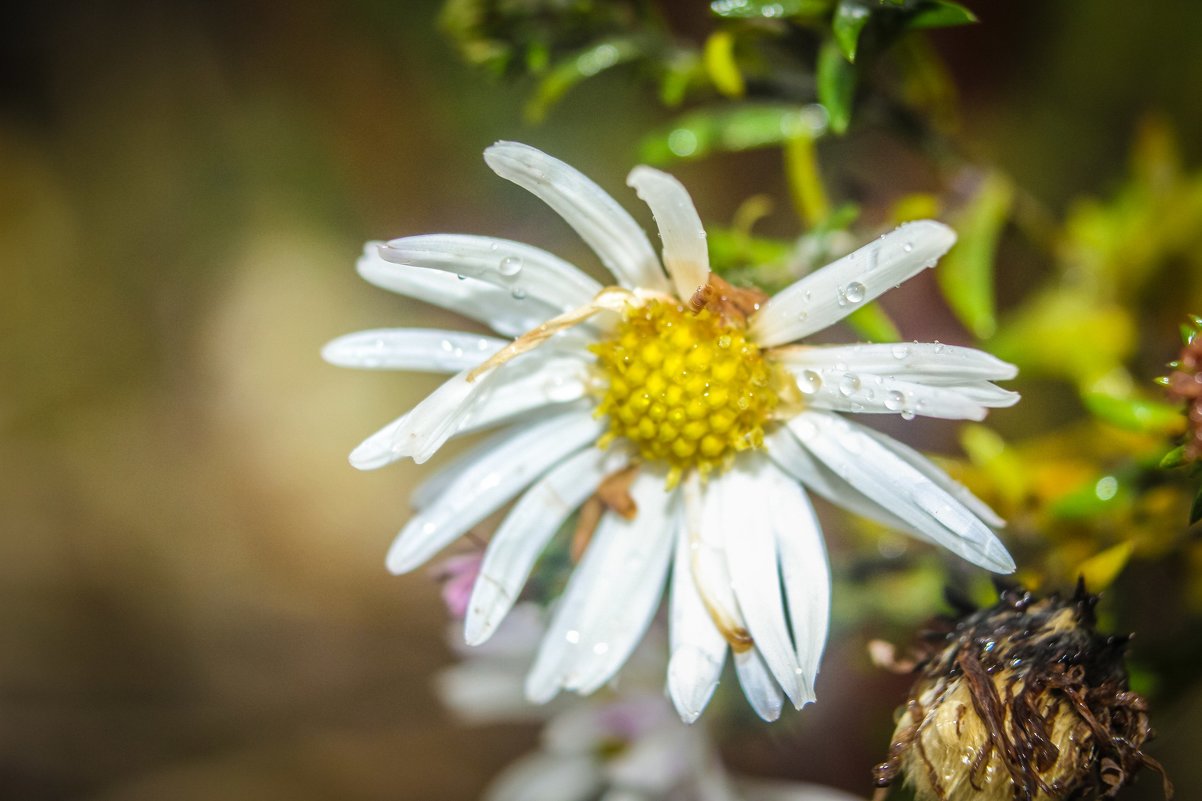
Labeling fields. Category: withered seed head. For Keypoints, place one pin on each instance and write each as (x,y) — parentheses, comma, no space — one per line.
(1022,701)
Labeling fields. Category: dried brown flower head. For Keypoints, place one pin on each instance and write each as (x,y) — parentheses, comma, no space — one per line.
(1022,701)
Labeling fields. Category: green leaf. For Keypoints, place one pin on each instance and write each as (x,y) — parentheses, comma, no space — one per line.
(771,9)
(1100,570)
(725,129)
(1174,458)
(872,323)
(1091,499)
(940,14)
(576,68)
(1195,512)
(1047,336)
(1134,414)
(836,85)
(850,19)
(720,64)
(966,274)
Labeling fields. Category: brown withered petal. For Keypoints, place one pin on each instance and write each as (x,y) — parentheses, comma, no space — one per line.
(1022,701)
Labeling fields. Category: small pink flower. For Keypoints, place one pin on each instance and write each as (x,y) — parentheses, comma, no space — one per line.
(458,576)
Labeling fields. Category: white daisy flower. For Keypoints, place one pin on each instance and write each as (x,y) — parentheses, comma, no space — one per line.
(688,408)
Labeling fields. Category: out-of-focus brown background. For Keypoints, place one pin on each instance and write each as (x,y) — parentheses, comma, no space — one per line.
(193,603)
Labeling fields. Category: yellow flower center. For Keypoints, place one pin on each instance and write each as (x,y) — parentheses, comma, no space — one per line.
(688,389)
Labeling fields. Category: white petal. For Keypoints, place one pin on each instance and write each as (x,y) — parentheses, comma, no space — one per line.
(630,594)
(441,477)
(611,232)
(787,453)
(521,270)
(610,598)
(880,474)
(841,390)
(489,483)
(481,692)
(698,648)
(745,505)
(546,377)
(920,362)
(804,570)
(422,349)
(762,691)
(539,380)
(547,777)
(524,534)
(836,290)
(494,307)
(938,477)
(686,255)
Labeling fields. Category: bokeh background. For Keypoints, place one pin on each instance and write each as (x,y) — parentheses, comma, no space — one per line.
(193,603)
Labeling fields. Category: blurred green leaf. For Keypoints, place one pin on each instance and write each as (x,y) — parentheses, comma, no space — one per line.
(1100,570)
(1134,414)
(1174,458)
(874,324)
(1091,499)
(770,9)
(725,129)
(576,68)
(850,18)
(940,14)
(966,272)
(730,249)
(836,85)
(1065,334)
(988,451)
(719,59)
(805,179)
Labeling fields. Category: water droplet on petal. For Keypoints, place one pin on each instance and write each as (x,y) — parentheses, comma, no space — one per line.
(510,265)
(849,384)
(809,382)
(518,293)
(901,351)
(854,292)
(894,400)
(908,247)
(907,414)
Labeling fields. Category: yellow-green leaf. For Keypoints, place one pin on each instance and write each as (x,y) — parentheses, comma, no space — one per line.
(1100,570)
(966,274)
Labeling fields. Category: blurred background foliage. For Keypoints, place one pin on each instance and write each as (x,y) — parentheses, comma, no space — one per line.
(194,603)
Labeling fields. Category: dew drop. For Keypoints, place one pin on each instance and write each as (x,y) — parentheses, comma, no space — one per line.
(901,351)
(518,293)
(907,414)
(894,401)
(908,247)
(849,384)
(572,636)
(809,382)
(854,292)
(461,276)
(510,265)
(447,345)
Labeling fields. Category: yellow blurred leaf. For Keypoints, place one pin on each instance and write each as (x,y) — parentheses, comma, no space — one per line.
(720,65)
(1100,570)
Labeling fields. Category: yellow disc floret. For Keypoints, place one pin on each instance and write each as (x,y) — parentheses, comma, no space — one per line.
(687,388)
